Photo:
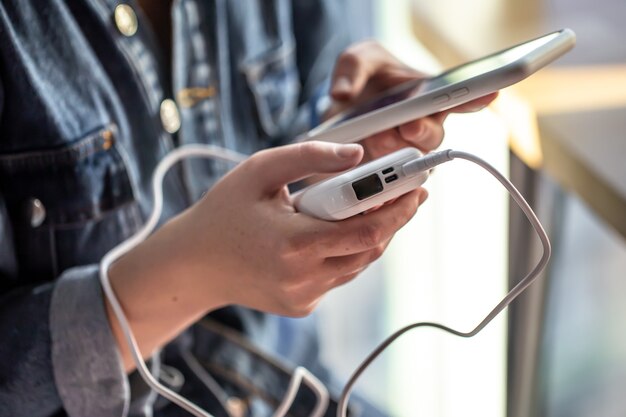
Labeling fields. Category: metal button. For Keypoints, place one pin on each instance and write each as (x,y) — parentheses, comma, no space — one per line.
(460,92)
(170,118)
(441,99)
(36,212)
(107,139)
(125,19)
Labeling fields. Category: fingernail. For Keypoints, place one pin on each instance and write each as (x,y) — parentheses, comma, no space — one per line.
(342,85)
(347,151)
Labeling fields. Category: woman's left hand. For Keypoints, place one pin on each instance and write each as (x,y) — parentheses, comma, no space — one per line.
(366,69)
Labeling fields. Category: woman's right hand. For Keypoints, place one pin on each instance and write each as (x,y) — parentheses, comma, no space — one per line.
(245,244)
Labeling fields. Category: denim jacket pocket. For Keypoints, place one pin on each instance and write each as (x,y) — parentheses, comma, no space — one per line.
(68,205)
(273,79)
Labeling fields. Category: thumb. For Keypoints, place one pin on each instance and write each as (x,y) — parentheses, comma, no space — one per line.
(277,167)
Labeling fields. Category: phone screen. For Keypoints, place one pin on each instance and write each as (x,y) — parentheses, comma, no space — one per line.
(454,76)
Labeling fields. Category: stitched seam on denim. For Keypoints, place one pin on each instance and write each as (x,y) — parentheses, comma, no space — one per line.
(132,180)
(275,60)
(53,253)
(255,65)
(67,155)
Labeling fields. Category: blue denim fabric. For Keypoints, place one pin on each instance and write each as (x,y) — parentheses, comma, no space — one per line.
(80,133)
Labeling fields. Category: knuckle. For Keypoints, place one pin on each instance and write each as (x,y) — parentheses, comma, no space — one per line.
(347,278)
(408,210)
(253,163)
(305,310)
(403,212)
(300,308)
(370,234)
(437,135)
(307,147)
(294,245)
(308,150)
(351,56)
(376,253)
(434,136)
(366,44)
(304,242)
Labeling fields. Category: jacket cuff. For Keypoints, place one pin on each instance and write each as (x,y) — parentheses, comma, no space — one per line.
(87,366)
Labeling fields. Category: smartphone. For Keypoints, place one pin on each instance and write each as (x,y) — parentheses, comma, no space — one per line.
(419,98)
(361,188)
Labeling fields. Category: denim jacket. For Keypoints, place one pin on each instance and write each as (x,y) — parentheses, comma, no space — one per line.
(87,110)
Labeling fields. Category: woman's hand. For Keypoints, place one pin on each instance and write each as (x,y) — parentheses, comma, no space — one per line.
(263,254)
(366,69)
(244,243)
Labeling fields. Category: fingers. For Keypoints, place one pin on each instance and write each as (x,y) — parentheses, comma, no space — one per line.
(272,169)
(474,105)
(425,134)
(382,144)
(352,70)
(361,233)
(347,267)
(360,63)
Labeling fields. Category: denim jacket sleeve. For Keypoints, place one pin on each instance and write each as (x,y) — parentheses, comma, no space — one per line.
(57,349)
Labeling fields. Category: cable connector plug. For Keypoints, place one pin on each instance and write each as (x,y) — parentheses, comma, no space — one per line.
(427,162)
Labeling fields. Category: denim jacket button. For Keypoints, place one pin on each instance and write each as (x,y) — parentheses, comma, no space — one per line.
(107,139)
(125,19)
(36,212)
(170,118)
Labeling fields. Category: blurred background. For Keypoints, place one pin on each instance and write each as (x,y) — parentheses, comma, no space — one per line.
(561,137)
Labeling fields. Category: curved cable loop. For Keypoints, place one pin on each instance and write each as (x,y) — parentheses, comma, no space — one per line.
(300,374)
(187,151)
(508,298)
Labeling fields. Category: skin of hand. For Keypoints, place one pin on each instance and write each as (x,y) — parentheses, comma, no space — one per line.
(243,243)
(366,69)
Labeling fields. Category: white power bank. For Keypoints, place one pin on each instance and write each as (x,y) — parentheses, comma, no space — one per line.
(361,188)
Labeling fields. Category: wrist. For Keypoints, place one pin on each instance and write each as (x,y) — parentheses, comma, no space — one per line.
(158,292)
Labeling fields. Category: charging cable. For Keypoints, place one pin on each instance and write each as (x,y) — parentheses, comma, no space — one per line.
(299,376)
(428,162)
(302,375)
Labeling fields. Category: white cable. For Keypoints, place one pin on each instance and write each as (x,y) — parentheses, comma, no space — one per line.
(428,162)
(320,390)
(207,379)
(187,151)
(300,374)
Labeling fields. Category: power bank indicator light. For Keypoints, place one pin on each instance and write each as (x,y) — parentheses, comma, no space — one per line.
(367,187)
